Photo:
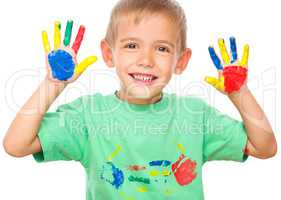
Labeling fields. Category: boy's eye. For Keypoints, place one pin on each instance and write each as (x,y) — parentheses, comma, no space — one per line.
(131,46)
(163,49)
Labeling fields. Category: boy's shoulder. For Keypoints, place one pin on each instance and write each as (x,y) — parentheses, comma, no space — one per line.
(79,104)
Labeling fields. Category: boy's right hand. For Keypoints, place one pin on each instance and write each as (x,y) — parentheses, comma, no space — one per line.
(61,62)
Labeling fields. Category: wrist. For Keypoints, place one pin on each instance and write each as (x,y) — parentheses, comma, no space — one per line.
(55,83)
(237,97)
(53,88)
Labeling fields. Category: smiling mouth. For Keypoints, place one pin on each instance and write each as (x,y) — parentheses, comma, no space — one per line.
(143,78)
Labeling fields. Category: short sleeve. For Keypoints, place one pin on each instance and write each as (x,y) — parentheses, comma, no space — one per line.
(224,137)
(63,134)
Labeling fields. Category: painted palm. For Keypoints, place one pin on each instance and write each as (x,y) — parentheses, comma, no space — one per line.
(232,72)
(62,59)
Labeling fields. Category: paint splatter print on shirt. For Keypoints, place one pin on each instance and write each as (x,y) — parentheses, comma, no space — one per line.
(141,152)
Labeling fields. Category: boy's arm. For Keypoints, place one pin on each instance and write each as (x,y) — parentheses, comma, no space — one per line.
(21,138)
(261,140)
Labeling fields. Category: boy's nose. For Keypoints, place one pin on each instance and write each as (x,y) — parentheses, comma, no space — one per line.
(146,59)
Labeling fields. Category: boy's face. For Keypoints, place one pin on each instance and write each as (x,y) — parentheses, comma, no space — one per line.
(145,55)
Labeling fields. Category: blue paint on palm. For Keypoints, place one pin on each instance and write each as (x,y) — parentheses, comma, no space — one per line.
(62,64)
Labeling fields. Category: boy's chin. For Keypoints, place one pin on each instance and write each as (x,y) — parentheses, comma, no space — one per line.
(143,93)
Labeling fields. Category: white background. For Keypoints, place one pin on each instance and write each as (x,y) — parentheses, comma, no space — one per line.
(22,69)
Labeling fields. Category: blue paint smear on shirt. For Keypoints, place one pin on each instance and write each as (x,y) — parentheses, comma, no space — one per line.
(117,174)
(163,163)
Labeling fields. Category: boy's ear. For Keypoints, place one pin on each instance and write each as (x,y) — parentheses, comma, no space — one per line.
(183,61)
(106,53)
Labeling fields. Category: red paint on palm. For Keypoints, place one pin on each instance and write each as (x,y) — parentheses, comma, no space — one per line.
(234,78)
(184,170)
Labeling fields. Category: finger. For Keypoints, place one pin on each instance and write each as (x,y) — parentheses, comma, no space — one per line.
(215,58)
(81,67)
(217,83)
(233,49)
(57,36)
(45,41)
(245,57)
(224,54)
(78,39)
(212,80)
(220,85)
(67,34)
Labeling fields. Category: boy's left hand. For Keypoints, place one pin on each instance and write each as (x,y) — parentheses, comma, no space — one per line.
(232,72)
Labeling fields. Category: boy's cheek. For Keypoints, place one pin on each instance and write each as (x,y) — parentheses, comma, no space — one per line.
(166,68)
(168,62)
(124,59)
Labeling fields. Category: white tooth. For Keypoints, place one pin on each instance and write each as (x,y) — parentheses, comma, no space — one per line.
(142,78)
(139,77)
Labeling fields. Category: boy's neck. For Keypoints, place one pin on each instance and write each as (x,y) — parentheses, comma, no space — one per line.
(133,100)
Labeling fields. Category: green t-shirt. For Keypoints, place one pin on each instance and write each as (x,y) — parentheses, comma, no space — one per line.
(141,152)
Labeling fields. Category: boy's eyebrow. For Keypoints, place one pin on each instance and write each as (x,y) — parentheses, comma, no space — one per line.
(129,38)
(157,41)
(166,42)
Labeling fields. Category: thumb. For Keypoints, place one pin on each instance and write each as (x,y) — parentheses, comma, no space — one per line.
(217,83)
(84,64)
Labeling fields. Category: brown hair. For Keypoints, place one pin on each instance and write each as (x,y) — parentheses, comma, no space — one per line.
(140,8)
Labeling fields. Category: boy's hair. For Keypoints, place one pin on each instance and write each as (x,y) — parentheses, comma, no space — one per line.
(140,9)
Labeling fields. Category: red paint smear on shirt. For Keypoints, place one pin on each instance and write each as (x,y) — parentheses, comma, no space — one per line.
(136,168)
(184,171)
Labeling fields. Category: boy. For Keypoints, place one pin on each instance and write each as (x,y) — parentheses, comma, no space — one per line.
(141,143)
